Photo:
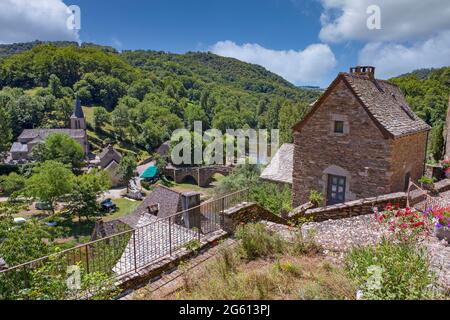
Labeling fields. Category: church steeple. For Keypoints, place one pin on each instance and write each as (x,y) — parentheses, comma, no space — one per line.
(77,120)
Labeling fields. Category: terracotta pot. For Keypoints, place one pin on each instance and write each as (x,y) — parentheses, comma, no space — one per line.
(443,233)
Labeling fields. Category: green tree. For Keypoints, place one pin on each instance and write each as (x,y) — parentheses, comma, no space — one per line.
(25,242)
(140,88)
(87,188)
(12,183)
(227,119)
(194,113)
(100,117)
(51,182)
(120,118)
(5,132)
(437,141)
(290,114)
(61,148)
(55,86)
(127,168)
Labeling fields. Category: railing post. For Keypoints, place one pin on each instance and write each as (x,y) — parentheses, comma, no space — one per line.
(170,236)
(87,258)
(134,251)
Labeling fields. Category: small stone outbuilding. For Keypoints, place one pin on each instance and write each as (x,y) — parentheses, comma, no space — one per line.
(360,140)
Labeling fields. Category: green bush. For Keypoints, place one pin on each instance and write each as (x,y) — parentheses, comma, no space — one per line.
(257,241)
(272,197)
(316,198)
(426,180)
(391,272)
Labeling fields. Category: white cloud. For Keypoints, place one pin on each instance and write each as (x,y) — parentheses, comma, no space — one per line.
(401,20)
(29,20)
(393,59)
(307,66)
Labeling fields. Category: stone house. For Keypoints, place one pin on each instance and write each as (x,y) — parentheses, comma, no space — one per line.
(159,204)
(108,155)
(109,160)
(360,139)
(21,149)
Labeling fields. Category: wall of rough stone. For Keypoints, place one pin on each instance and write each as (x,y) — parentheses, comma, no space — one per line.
(353,208)
(201,175)
(362,151)
(247,213)
(408,156)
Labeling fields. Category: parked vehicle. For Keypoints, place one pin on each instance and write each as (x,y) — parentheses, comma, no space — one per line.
(108,205)
(43,206)
(19,220)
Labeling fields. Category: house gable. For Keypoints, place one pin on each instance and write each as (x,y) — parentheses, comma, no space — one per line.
(340,79)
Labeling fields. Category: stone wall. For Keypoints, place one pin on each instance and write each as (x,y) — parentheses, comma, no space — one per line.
(408,157)
(353,208)
(201,175)
(434,171)
(247,212)
(442,186)
(362,153)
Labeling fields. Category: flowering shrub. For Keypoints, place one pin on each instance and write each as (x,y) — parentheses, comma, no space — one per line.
(447,172)
(445,164)
(405,224)
(440,216)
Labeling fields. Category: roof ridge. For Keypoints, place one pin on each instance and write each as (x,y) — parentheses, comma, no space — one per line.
(167,188)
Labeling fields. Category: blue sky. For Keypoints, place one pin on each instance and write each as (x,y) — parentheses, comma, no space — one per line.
(180,26)
(306,41)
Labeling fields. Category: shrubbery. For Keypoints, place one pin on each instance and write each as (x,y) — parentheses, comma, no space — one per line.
(391,272)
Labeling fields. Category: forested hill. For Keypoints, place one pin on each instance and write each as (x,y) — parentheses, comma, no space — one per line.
(136,99)
(427,92)
(216,70)
(7,50)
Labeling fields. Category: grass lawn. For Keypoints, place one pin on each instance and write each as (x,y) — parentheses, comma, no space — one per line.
(124,207)
(75,232)
(207,192)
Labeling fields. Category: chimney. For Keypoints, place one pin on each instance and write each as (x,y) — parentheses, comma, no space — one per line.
(364,71)
(153,209)
(190,204)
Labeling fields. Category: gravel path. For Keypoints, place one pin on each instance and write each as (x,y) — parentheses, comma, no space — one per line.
(338,236)
(341,235)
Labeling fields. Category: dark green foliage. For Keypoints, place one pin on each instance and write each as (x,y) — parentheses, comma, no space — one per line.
(427,92)
(86,190)
(101,116)
(11,183)
(61,148)
(437,141)
(127,168)
(150,94)
(273,197)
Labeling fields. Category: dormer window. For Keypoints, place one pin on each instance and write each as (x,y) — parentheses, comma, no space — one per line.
(339,127)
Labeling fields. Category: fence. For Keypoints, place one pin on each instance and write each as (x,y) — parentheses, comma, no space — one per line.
(421,199)
(126,252)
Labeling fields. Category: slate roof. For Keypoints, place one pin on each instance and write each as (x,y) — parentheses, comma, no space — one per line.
(78,110)
(169,204)
(384,102)
(163,149)
(44,133)
(108,149)
(281,166)
(19,147)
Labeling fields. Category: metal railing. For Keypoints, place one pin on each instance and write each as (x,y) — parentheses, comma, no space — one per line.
(421,199)
(128,251)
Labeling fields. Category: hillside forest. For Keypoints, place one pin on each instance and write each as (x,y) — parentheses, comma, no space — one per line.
(136,99)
